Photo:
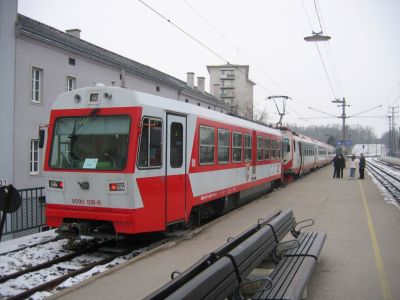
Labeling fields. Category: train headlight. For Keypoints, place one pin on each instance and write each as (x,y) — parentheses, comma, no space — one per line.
(56,184)
(117,187)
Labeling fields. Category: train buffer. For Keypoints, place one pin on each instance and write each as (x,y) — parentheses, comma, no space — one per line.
(241,268)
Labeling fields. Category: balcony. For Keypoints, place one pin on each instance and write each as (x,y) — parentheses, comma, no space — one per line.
(227,94)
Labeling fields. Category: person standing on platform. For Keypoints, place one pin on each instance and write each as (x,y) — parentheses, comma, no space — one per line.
(336,167)
(353,166)
(361,166)
(342,164)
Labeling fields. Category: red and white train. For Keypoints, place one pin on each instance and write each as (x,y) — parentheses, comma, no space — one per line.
(126,162)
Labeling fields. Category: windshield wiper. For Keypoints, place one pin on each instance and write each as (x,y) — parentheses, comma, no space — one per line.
(78,126)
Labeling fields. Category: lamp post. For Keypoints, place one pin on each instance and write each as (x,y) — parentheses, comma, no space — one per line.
(343,104)
(317,37)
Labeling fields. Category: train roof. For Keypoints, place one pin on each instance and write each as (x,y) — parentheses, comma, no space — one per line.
(111,96)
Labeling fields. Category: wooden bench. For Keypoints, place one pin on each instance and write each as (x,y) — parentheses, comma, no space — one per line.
(220,273)
(290,276)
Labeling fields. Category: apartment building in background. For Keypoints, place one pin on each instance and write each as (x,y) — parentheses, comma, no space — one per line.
(231,84)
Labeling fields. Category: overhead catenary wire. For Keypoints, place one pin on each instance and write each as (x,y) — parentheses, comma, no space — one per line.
(329,52)
(233,45)
(201,43)
(316,44)
(236,48)
(186,33)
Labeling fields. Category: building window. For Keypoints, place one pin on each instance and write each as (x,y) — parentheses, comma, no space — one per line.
(223,145)
(150,144)
(206,145)
(34,157)
(37,82)
(71,83)
(157,89)
(71,61)
(198,103)
(247,147)
(237,147)
(187,100)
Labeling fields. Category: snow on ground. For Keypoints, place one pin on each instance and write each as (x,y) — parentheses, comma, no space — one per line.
(27,241)
(369,149)
(387,197)
(19,260)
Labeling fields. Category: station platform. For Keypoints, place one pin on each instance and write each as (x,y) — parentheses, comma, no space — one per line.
(360,258)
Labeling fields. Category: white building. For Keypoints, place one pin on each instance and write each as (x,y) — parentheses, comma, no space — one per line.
(38,62)
(231,84)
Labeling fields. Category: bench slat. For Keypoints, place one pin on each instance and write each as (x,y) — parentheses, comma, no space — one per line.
(212,283)
(292,273)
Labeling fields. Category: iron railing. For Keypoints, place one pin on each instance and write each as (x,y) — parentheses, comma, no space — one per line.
(30,217)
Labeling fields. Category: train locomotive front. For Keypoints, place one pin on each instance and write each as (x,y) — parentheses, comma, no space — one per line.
(89,167)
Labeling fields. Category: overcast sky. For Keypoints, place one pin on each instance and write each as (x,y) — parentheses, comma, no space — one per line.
(362,59)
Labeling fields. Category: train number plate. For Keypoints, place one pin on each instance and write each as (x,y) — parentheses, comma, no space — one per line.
(88,202)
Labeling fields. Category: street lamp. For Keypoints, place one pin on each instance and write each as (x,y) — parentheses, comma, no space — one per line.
(317,37)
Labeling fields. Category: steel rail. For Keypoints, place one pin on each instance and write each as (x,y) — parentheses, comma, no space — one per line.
(57,260)
(391,187)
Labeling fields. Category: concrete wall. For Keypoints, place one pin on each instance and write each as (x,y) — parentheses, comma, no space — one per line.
(8,15)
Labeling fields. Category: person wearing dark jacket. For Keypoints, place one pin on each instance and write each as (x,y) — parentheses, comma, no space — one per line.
(361,166)
(342,164)
(336,167)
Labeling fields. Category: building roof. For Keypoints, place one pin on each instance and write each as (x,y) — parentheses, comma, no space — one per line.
(48,34)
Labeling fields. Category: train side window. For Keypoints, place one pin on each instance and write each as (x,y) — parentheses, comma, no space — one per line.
(176,153)
(273,148)
(278,149)
(260,146)
(150,143)
(237,143)
(223,145)
(267,148)
(206,145)
(247,147)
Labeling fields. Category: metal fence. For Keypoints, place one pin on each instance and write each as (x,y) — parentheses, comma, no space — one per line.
(30,217)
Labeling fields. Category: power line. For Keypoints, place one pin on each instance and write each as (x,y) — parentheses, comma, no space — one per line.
(183,31)
(234,46)
(319,51)
(200,43)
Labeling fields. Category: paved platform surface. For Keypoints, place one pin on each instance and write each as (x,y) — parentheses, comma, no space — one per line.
(360,259)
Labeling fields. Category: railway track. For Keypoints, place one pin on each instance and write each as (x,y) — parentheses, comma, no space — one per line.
(388,179)
(46,277)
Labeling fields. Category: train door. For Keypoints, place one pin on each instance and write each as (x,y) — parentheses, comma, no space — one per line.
(300,147)
(176,168)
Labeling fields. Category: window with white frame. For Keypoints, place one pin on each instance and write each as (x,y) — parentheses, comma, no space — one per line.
(237,143)
(37,83)
(34,157)
(206,145)
(223,145)
(71,83)
(247,147)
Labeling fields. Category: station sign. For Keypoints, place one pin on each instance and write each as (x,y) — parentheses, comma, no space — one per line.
(344,143)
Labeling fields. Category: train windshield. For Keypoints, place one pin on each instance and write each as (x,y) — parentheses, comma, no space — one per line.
(91,142)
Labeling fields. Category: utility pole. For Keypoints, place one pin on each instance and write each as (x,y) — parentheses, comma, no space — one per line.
(392,130)
(390,134)
(343,104)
